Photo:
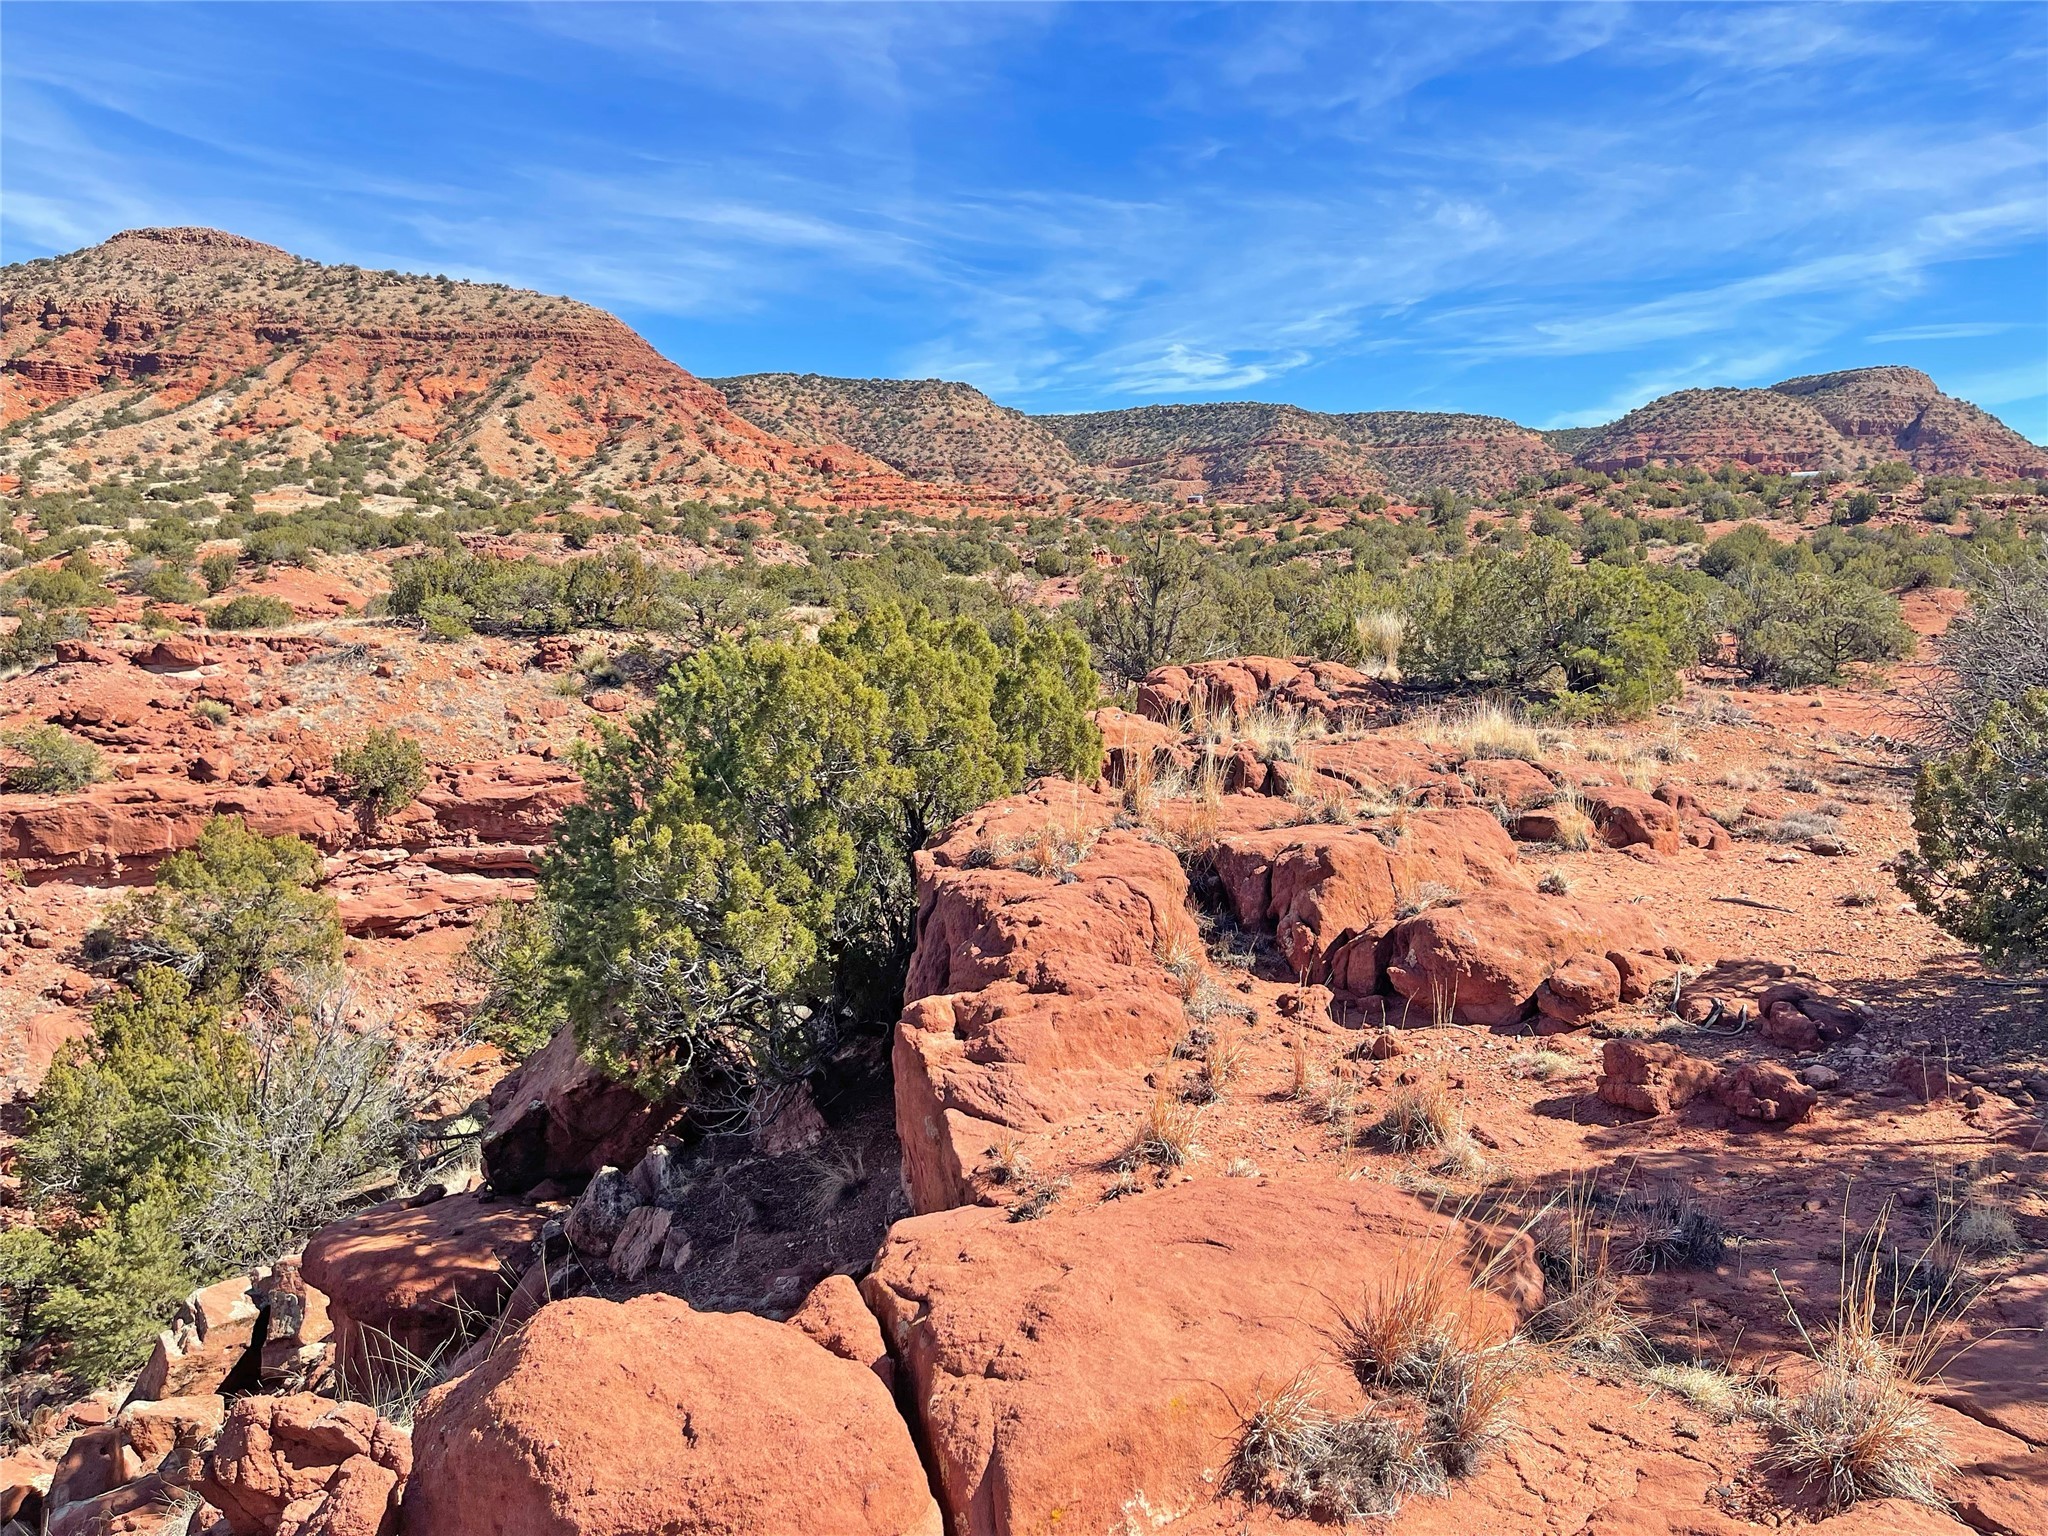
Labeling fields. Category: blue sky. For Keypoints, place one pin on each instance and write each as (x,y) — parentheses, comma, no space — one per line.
(1550,214)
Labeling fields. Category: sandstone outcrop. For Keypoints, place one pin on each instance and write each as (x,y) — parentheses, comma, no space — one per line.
(1486,959)
(1031,995)
(559,1117)
(619,1419)
(404,1278)
(306,1466)
(1093,1367)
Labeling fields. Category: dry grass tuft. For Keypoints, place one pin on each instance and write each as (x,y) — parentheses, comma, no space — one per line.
(1408,1319)
(1380,632)
(1482,730)
(1708,1388)
(1420,1118)
(1468,1403)
(1666,1228)
(1166,1136)
(1861,1431)
(1295,1456)
(1051,849)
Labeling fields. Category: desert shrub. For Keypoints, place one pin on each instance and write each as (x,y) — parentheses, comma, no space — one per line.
(506,959)
(77,583)
(99,1292)
(736,888)
(385,770)
(1150,610)
(1795,631)
(1981,818)
(1889,475)
(252,610)
(48,760)
(35,635)
(167,583)
(1995,651)
(228,912)
(1602,638)
(320,1107)
(217,570)
(112,1122)
(169,1145)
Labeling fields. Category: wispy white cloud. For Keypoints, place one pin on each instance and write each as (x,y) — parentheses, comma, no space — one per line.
(1065,206)
(1960,330)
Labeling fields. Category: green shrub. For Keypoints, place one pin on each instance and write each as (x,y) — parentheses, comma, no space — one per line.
(1888,476)
(217,570)
(166,583)
(252,610)
(51,761)
(229,912)
(385,770)
(506,960)
(1796,631)
(736,889)
(1861,507)
(1981,815)
(1597,638)
(34,638)
(170,1146)
(77,583)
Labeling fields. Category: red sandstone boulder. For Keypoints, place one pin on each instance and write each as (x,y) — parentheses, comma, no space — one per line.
(1628,818)
(835,1315)
(558,1116)
(1926,1078)
(1509,781)
(1032,998)
(1763,1090)
(623,1419)
(408,1276)
(1584,985)
(1485,958)
(1652,1077)
(293,1466)
(517,800)
(1089,1370)
(1318,888)
(149,1506)
(1130,740)
(121,824)
(24,1480)
(173,653)
(207,1337)
(1797,1015)
(167,1434)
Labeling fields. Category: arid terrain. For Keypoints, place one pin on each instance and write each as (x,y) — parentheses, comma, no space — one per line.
(1608,1052)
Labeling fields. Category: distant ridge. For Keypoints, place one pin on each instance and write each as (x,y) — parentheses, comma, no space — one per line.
(159,344)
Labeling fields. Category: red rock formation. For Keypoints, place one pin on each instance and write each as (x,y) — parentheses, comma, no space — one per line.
(405,1277)
(1485,959)
(1030,994)
(559,1117)
(531,386)
(306,1466)
(1093,1368)
(610,1419)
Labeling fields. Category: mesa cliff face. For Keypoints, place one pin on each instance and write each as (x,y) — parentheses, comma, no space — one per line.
(165,343)
(1822,421)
